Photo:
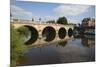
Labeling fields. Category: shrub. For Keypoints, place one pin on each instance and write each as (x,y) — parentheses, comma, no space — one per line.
(17,46)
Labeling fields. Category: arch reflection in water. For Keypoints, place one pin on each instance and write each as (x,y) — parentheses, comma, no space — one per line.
(49,33)
(63,43)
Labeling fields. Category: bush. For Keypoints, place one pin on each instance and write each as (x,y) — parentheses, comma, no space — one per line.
(23,31)
(17,46)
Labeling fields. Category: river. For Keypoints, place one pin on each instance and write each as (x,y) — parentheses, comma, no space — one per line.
(77,49)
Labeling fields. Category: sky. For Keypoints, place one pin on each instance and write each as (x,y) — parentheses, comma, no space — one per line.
(50,11)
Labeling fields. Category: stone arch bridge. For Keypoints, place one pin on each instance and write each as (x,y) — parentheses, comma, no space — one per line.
(43,33)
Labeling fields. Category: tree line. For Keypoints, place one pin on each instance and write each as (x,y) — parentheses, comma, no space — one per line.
(60,20)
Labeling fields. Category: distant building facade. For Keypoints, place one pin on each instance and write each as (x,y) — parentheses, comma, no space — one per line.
(88,22)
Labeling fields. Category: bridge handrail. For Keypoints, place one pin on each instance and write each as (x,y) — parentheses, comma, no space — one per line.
(37,22)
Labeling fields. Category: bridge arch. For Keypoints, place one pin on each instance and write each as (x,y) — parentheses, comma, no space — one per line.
(62,33)
(33,35)
(49,33)
(70,32)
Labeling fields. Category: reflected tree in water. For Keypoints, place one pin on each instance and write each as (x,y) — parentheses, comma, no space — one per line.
(64,43)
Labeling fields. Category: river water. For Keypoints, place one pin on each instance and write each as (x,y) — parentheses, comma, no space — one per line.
(77,49)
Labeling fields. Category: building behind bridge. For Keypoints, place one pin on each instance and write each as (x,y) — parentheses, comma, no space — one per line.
(86,27)
(88,22)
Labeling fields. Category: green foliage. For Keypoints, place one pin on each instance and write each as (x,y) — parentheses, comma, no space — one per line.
(17,46)
(51,21)
(62,20)
(23,31)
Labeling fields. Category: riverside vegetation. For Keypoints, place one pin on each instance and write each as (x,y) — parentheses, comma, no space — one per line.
(17,44)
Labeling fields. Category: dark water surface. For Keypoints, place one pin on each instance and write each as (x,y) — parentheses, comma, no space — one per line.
(78,49)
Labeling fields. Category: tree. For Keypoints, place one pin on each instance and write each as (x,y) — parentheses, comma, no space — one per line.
(51,21)
(79,24)
(62,20)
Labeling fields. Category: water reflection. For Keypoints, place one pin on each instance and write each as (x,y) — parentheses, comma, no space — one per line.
(87,40)
(64,43)
(79,49)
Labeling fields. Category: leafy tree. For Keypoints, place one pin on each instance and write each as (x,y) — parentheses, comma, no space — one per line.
(62,20)
(17,46)
(51,21)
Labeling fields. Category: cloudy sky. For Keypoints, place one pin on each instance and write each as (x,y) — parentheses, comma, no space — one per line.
(50,11)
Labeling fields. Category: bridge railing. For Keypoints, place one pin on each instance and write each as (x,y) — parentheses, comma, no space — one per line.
(35,22)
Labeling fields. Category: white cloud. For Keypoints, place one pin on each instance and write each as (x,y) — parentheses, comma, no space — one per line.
(20,13)
(73,21)
(71,9)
